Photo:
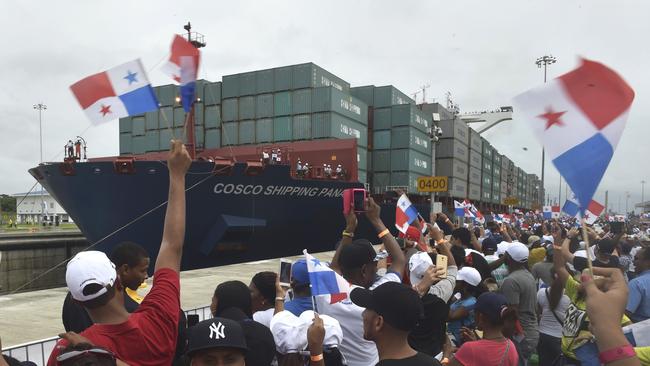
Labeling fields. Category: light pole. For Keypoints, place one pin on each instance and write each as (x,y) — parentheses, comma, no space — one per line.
(544,61)
(627,199)
(41,107)
(642,195)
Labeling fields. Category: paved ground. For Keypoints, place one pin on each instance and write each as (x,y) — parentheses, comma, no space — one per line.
(36,315)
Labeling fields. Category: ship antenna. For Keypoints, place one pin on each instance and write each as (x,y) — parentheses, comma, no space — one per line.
(198,41)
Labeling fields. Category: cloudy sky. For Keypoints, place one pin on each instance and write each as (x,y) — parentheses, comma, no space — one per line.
(483,52)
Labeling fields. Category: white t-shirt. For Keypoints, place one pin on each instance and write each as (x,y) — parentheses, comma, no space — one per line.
(548,324)
(356,350)
(264,317)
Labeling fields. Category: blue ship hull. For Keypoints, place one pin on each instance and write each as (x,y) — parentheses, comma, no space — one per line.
(230,218)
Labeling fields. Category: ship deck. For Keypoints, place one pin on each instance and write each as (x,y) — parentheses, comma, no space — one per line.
(35,315)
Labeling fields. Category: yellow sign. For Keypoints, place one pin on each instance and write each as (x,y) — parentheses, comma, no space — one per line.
(511,201)
(432,184)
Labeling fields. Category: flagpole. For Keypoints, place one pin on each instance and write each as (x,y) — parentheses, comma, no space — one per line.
(585,237)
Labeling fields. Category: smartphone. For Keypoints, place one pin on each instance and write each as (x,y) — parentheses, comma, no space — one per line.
(441,262)
(359,199)
(616,227)
(192,320)
(347,200)
(285,272)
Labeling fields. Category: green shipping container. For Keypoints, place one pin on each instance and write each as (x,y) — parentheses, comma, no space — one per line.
(362,158)
(301,101)
(230,110)
(213,138)
(229,133)
(282,129)
(334,125)
(382,119)
(199,137)
(246,108)
(386,96)
(264,106)
(381,160)
(282,103)
(212,116)
(246,132)
(380,181)
(410,160)
(406,179)
(151,120)
(264,130)
(364,93)
(152,141)
(409,115)
(167,94)
(166,117)
(139,144)
(126,124)
(179,117)
(230,86)
(282,78)
(247,84)
(362,176)
(264,81)
(381,140)
(138,126)
(126,145)
(199,114)
(410,138)
(310,75)
(212,93)
(301,127)
(166,136)
(331,99)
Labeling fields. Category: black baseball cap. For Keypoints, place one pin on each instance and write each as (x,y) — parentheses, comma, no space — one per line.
(489,244)
(216,333)
(356,254)
(492,305)
(398,304)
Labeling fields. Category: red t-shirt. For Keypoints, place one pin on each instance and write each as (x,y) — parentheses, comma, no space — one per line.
(148,337)
(487,353)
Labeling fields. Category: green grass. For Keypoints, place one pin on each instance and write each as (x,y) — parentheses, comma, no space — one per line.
(36,228)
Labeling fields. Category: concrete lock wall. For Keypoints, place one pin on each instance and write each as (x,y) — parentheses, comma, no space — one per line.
(25,259)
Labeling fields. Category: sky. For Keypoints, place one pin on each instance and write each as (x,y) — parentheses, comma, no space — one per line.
(482,52)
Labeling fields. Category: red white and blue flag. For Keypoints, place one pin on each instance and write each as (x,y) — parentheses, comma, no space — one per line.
(324,281)
(593,211)
(183,66)
(579,118)
(405,214)
(119,92)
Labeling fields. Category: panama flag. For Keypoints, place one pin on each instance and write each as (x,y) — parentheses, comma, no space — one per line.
(571,207)
(579,118)
(478,216)
(555,212)
(119,92)
(467,205)
(405,214)
(459,209)
(547,211)
(183,66)
(324,281)
(594,209)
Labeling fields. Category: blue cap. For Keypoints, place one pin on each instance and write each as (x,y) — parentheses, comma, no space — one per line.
(492,305)
(299,272)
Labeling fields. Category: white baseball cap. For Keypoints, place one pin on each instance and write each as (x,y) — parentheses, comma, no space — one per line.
(87,268)
(290,331)
(518,251)
(333,331)
(501,247)
(469,275)
(418,265)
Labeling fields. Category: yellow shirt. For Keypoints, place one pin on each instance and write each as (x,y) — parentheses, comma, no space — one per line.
(575,331)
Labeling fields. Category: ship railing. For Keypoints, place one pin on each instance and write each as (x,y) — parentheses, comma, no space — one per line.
(404,189)
(39,351)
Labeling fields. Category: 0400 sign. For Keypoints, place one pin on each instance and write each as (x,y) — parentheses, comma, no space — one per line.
(432,184)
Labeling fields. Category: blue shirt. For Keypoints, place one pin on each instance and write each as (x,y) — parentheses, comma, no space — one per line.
(298,305)
(638,303)
(453,327)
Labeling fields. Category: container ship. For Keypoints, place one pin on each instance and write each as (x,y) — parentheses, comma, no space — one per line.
(243,207)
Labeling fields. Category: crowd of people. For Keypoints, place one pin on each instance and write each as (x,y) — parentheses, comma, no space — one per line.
(509,294)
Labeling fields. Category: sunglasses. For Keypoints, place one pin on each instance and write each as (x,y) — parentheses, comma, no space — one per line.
(72,355)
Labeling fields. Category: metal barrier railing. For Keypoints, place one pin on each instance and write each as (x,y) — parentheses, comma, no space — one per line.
(39,351)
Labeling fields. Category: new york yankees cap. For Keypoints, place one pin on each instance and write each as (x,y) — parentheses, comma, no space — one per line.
(216,333)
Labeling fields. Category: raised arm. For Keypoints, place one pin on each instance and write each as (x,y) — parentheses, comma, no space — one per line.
(171,248)
(346,238)
(398,260)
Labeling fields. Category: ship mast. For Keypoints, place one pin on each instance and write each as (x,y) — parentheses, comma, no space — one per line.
(196,39)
